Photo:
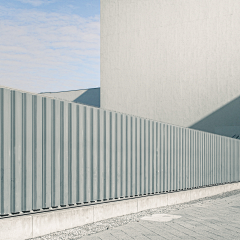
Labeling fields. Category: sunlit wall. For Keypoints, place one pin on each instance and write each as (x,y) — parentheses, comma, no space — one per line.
(176,61)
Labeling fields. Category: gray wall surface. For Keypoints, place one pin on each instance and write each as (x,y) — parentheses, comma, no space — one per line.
(89,96)
(175,61)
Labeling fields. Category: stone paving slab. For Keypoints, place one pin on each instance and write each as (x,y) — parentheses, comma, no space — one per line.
(216,217)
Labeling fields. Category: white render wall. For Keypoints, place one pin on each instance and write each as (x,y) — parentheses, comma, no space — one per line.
(176,61)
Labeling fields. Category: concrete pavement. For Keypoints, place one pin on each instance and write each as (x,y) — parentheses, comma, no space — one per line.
(212,218)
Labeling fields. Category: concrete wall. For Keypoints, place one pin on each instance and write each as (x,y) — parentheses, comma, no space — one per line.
(89,97)
(176,61)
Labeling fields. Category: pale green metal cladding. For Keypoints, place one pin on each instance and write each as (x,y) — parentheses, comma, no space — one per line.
(56,153)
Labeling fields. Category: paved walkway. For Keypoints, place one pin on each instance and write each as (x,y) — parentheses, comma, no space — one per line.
(216,217)
(206,219)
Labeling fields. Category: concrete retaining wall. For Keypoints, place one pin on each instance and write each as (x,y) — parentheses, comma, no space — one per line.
(34,225)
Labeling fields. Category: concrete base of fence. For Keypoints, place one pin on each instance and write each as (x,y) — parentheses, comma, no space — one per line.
(34,225)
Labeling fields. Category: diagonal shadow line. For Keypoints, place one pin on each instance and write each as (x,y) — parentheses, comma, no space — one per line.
(227,115)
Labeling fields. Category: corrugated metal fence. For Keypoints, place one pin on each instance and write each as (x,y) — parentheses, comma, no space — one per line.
(56,153)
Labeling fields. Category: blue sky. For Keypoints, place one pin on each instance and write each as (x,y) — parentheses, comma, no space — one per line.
(49,45)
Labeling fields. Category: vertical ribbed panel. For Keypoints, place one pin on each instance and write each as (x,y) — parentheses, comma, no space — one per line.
(142,156)
(133,156)
(164,155)
(89,153)
(192,160)
(113,155)
(16,149)
(237,161)
(63,152)
(138,157)
(102,154)
(81,154)
(158,157)
(37,152)
(107,156)
(238,164)
(180,157)
(118,184)
(204,157)
(150,160)
(187,159)
(198,159)
(124,156)
(222,160)
(232,154)
(128,156)
(95,167)
(154,165)
(172,158)
(176,177)
(46,153)
(27,154)
(183,158)
(147,156)
(200,144)
(168,158)
(72,154)
(56,153)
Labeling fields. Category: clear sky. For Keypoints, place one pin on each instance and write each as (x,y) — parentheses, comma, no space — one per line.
(50,45)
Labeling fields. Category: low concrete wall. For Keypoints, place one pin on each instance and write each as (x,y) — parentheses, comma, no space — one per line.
(34,225)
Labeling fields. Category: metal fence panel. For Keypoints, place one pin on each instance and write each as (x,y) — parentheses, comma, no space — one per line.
(57,153)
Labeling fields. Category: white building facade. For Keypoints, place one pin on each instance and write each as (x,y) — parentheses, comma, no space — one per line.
(175,61)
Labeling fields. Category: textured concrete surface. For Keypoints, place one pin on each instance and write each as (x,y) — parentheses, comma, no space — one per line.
(207,219)
(45,223)
(172,61)
(114,209)
(12,228)
(183,196)
(153,201)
